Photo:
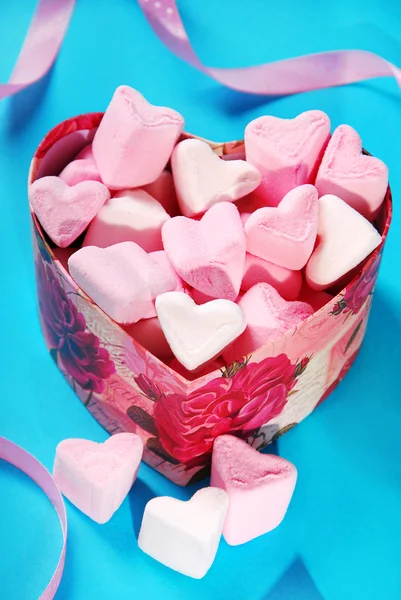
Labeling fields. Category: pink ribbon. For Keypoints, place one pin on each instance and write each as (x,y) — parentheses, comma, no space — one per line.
(24,461)
(41,45)
(301,74)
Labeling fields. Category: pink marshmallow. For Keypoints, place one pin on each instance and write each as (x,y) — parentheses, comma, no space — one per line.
(285,235)
(202,179)
(63,211)
(134,140)
(96,478)
(163,191)
(199,297)
(259,488)
(361,181)
(345,239)
(122,279)
(149,334)
(267,316)
(208,254)
(286,151)
(82,168)
(286,282)
(160,258)
(130,216)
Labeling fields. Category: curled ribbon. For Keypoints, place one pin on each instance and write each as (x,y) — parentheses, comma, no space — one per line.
(24,461)
(290,76)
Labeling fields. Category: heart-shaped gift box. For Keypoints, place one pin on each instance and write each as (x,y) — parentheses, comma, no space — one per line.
(126,388)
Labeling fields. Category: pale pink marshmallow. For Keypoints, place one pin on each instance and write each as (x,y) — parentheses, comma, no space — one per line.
(149,334)
(160,258)
(129,216)
(82,168)
(134,140)
(122,279)
(163,191)
(208,254)
(259,488)
(315,298)
(285,281)
(96,478)
(360,180)
(286,151)
(202,179)
(197,334)
(63,211)
(184,536)
(267,316)
(345,239)
(285,235)
(215,365)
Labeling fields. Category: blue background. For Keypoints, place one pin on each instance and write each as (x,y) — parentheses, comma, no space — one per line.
(341,538)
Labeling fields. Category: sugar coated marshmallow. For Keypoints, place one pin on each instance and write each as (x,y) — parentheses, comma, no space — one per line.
(184,536)
(129,216)
(267,316)
(96,478)
(345,239)
(286,234)
(286,282)
(82,168)
(208,254)
(259,488)
(203,179)
(286,151)
(63,211)
(134,140)
(360,180)
(196,334)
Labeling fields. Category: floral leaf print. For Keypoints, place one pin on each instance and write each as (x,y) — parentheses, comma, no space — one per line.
(143,419)
(154,445)
(353,336)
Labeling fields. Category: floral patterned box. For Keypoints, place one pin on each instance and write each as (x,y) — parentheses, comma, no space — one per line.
(127,389)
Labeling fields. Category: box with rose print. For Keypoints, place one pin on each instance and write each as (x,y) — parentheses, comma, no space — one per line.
(128,389)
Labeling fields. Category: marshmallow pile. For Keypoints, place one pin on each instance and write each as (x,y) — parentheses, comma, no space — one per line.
(249,495)
(203,258)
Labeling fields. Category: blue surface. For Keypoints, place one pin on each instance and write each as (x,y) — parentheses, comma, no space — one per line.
(341,538)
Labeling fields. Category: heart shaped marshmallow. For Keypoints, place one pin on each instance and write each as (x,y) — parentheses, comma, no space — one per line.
(267,317)
(259,488)
(209,254)
(361,181)
(123,280)
(129,216)
(285,235)
(202,179)
(63,211)
(345,239)
(82,168)
(184,535)
(195,333)
(286,151)
(97,477)
(134,140)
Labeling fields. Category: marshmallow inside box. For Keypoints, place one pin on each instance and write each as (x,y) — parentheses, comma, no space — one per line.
(128,389)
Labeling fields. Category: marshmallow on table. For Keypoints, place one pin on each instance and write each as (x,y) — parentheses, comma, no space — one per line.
(63,211)
(97,477)
(129,216)
(267,316)
(163,191)
(149,334)
(122,279)
(134,140)
(82,168)
(184,536)
(259,488)
(286,234)
(208,254)
(286,151)
(285,281)
(196,334)
(345,239)
(202,179)
(360,180)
